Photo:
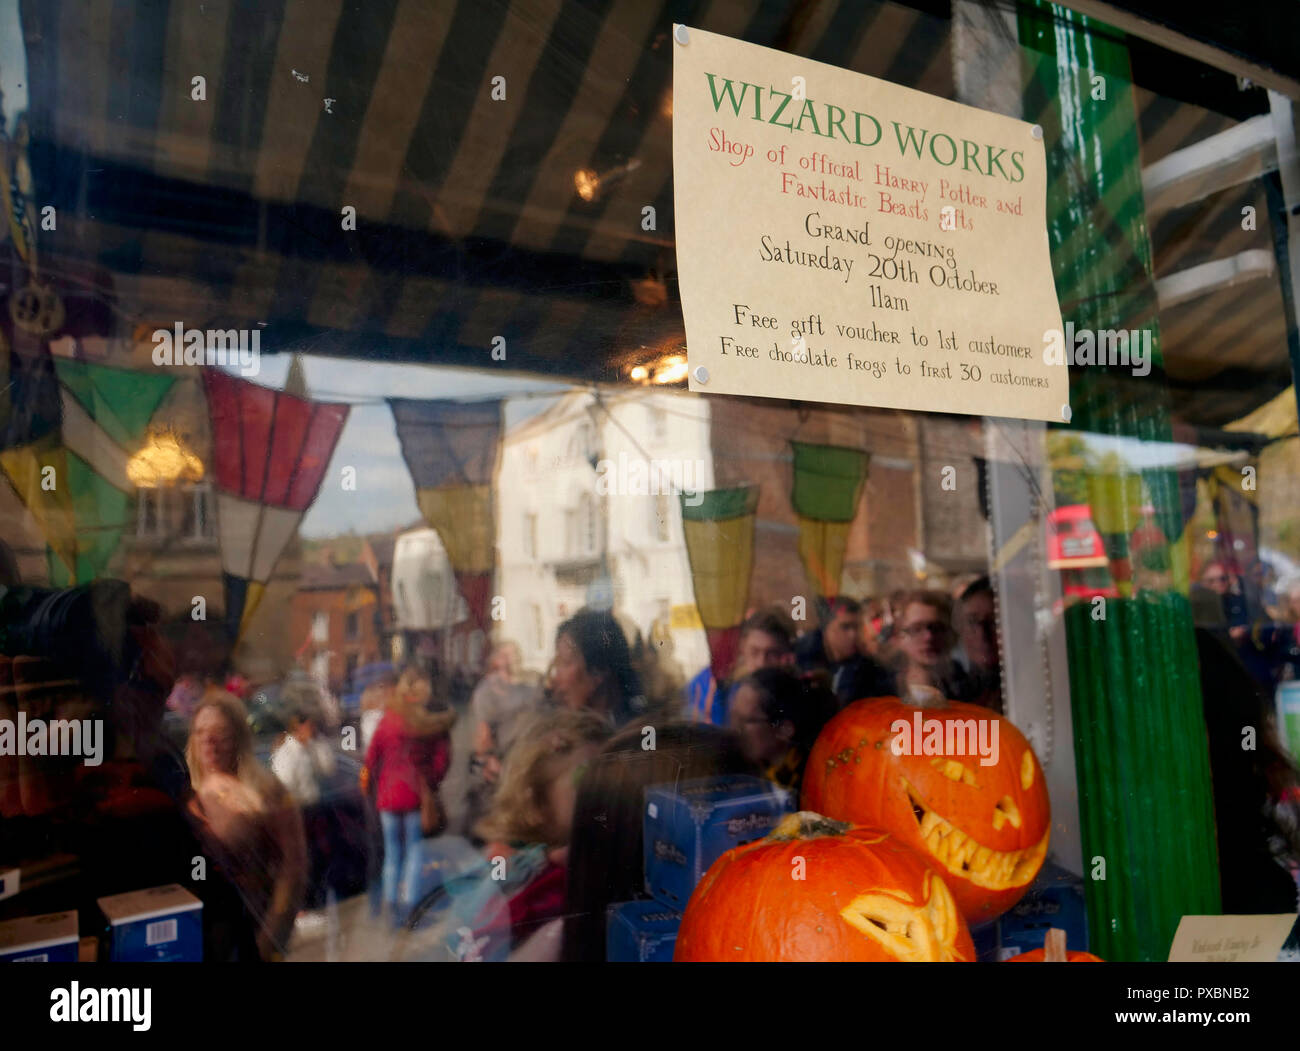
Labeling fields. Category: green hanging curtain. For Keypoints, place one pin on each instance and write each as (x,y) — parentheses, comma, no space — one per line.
(1144,780)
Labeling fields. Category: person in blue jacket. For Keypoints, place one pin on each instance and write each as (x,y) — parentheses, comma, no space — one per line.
(766,641)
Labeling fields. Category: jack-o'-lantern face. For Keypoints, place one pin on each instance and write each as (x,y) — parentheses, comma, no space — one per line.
(819,890)
(958,783)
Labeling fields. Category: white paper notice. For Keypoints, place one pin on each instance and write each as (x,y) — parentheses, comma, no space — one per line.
(844,239)
(1230,939)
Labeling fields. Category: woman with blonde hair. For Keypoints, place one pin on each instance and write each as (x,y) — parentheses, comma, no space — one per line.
(249,826)
(407,759)
(531,819)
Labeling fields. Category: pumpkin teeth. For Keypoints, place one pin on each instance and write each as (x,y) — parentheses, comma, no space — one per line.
(963,856)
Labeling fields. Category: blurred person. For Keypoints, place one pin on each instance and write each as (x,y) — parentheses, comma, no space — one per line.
(497,706)
(606,856)
(873,620)
(977,647)
(375,700)
(186,694)
(1234,609)
(1259,590)
(531,819)
(1222,607)
(834,649)
(892,613)
(251,831)
(593,668)
(1290,621)
(304,762)
(924,668)
(303,759)
(777,716)
(766,641)
(661,673)
(407,759)
(1256,798)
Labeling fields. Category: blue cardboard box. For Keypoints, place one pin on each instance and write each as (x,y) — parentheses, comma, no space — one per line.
(51,938)
(1055,899)
(689,825)
(641,932)
(155,925)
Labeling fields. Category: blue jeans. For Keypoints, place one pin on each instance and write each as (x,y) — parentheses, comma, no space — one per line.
(401,859)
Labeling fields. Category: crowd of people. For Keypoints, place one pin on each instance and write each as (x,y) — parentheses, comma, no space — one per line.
(546,749)
(546,823)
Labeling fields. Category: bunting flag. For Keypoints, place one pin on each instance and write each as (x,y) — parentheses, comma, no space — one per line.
(453,450)
(828,481)
(1115,500)
(32,457)
(270,451)
(719,532)
(105,415)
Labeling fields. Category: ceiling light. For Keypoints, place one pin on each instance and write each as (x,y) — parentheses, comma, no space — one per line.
(163,461)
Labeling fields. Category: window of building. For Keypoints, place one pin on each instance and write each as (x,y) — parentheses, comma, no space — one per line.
(570,531)
(198,521)
(588,525)
(320,626)
(661,509)
(538,628)
(530,535)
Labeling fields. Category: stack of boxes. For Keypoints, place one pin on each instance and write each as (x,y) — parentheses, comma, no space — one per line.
(687,827)
(158,924)
(40,939)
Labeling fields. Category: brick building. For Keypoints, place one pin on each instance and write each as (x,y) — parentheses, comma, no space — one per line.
(334,621)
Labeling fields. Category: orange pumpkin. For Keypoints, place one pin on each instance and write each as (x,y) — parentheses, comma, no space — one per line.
(819,890)
(1036,956)
(921,774)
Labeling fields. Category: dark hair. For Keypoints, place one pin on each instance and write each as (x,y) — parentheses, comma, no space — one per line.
(606,860)
(802,699)
(978,586)
(604,650)
(771,622)
(832,608)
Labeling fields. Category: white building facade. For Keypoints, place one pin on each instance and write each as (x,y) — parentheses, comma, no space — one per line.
(588,514)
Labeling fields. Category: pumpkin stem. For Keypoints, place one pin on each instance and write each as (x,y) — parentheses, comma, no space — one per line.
(1054,946)
(808,824)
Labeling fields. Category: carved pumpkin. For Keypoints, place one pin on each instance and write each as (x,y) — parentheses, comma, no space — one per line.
(985,828)
(819,890)
(1036,956)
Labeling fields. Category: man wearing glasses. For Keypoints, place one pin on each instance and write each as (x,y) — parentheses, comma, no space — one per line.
(924,668)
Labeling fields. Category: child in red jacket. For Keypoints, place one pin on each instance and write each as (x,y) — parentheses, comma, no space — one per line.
(407,758)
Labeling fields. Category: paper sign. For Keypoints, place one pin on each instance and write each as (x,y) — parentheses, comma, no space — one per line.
(1230,939)
(844,239)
